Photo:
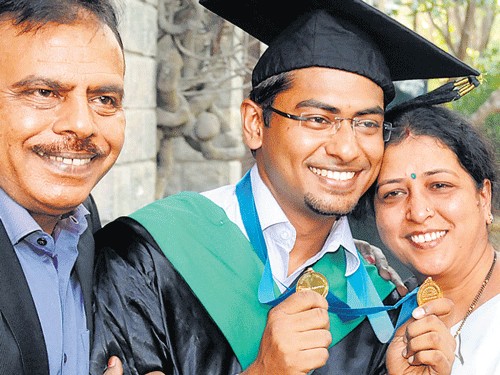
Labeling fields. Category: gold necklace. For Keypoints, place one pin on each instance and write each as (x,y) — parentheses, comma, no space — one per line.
(472,307)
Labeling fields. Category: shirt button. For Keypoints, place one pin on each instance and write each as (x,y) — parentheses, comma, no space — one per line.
(41,241)
(65,358)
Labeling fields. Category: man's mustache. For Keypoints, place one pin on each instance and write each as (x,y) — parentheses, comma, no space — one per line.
(69,145)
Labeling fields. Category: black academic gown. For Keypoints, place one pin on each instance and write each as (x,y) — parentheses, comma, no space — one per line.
(22,346)
(147,315)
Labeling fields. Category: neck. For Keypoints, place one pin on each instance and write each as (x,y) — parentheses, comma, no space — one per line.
(311,237)
(463,287)
(46,222)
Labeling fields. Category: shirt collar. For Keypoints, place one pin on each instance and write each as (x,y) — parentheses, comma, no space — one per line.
(18,223)
(340,234)
(270,213)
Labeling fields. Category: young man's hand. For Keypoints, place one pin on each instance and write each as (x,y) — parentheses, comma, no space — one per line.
(296,337)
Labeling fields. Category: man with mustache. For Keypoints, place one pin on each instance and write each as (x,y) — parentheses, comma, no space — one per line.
(207,284)
(61,129)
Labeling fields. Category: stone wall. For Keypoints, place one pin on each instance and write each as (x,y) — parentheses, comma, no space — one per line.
(192,172)
(130,184)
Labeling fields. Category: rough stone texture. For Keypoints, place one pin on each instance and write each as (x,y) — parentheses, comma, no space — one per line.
(139,27)
(194,173)
(140,136)
(140,81)
(126,188)
(130,184)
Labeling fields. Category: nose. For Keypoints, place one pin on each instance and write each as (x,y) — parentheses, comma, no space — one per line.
(419,209)
(75,117)
(343,143)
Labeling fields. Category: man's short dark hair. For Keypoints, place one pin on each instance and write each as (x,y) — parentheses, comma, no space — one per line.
(265,92)
(34,14)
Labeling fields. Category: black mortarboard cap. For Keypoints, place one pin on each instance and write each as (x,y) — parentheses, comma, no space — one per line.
(349,35)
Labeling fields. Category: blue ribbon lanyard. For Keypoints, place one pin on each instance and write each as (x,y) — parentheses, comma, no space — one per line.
(362,297)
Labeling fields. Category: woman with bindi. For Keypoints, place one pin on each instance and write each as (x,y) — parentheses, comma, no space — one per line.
(433,206)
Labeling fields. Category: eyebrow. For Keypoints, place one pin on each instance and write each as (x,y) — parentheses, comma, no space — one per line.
(58,86)
(106,89)
(36,80)
(440,170)
(313,103)
(425,174)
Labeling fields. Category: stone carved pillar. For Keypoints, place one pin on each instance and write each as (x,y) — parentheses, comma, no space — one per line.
(199,138)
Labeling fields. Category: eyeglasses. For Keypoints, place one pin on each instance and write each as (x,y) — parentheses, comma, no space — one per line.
(320,123)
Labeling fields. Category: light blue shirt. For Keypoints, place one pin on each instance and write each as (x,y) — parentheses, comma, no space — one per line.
(48,263)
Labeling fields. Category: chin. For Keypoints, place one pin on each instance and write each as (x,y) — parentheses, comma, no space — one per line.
(65,201)
(326,207)
(429,267)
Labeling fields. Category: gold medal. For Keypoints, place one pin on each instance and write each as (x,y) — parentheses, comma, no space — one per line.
(312,280)
(428,291)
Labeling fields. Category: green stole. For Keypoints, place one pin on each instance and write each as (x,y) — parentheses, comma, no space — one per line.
(217,261)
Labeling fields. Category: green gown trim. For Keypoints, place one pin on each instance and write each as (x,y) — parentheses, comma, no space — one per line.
(218,263)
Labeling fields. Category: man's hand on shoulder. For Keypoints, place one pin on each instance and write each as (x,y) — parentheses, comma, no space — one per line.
(296,338)
(115,368)
(374,255)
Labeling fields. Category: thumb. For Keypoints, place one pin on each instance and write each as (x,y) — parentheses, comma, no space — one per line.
(114,367)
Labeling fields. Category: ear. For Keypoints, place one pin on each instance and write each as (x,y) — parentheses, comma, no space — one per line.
(253,124)
(485,200)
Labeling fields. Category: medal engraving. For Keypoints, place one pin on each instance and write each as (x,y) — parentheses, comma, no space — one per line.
(312,280)
(428,291)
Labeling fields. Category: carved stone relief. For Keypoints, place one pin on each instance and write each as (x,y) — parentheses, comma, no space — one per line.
(197,61)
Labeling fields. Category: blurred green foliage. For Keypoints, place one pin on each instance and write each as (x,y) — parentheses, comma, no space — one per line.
(486,61)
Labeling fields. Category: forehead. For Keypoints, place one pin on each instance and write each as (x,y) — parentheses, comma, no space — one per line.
(341,89)
(81,49)
(418,154)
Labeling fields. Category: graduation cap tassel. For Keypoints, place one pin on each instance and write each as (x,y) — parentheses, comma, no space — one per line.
(467,85)
(446,93)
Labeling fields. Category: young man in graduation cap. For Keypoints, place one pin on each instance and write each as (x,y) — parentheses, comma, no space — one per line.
(207,284)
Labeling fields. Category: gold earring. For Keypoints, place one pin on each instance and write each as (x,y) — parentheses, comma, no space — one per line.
(490,218)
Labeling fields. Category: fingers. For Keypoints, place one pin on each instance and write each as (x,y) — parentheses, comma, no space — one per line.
(428,339)
(306,360)
(430,348)
(396,279)
(440,307)
(296,337)
(304,311)
(302,301)
(114,367)
(374,255)
(367,251)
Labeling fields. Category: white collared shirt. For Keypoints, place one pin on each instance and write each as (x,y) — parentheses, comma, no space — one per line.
(279,234)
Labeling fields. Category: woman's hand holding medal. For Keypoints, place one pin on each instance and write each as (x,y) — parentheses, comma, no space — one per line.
(424,345)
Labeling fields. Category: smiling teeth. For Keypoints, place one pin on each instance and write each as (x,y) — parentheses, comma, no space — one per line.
(421,238)
(67,161)
(339,176)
